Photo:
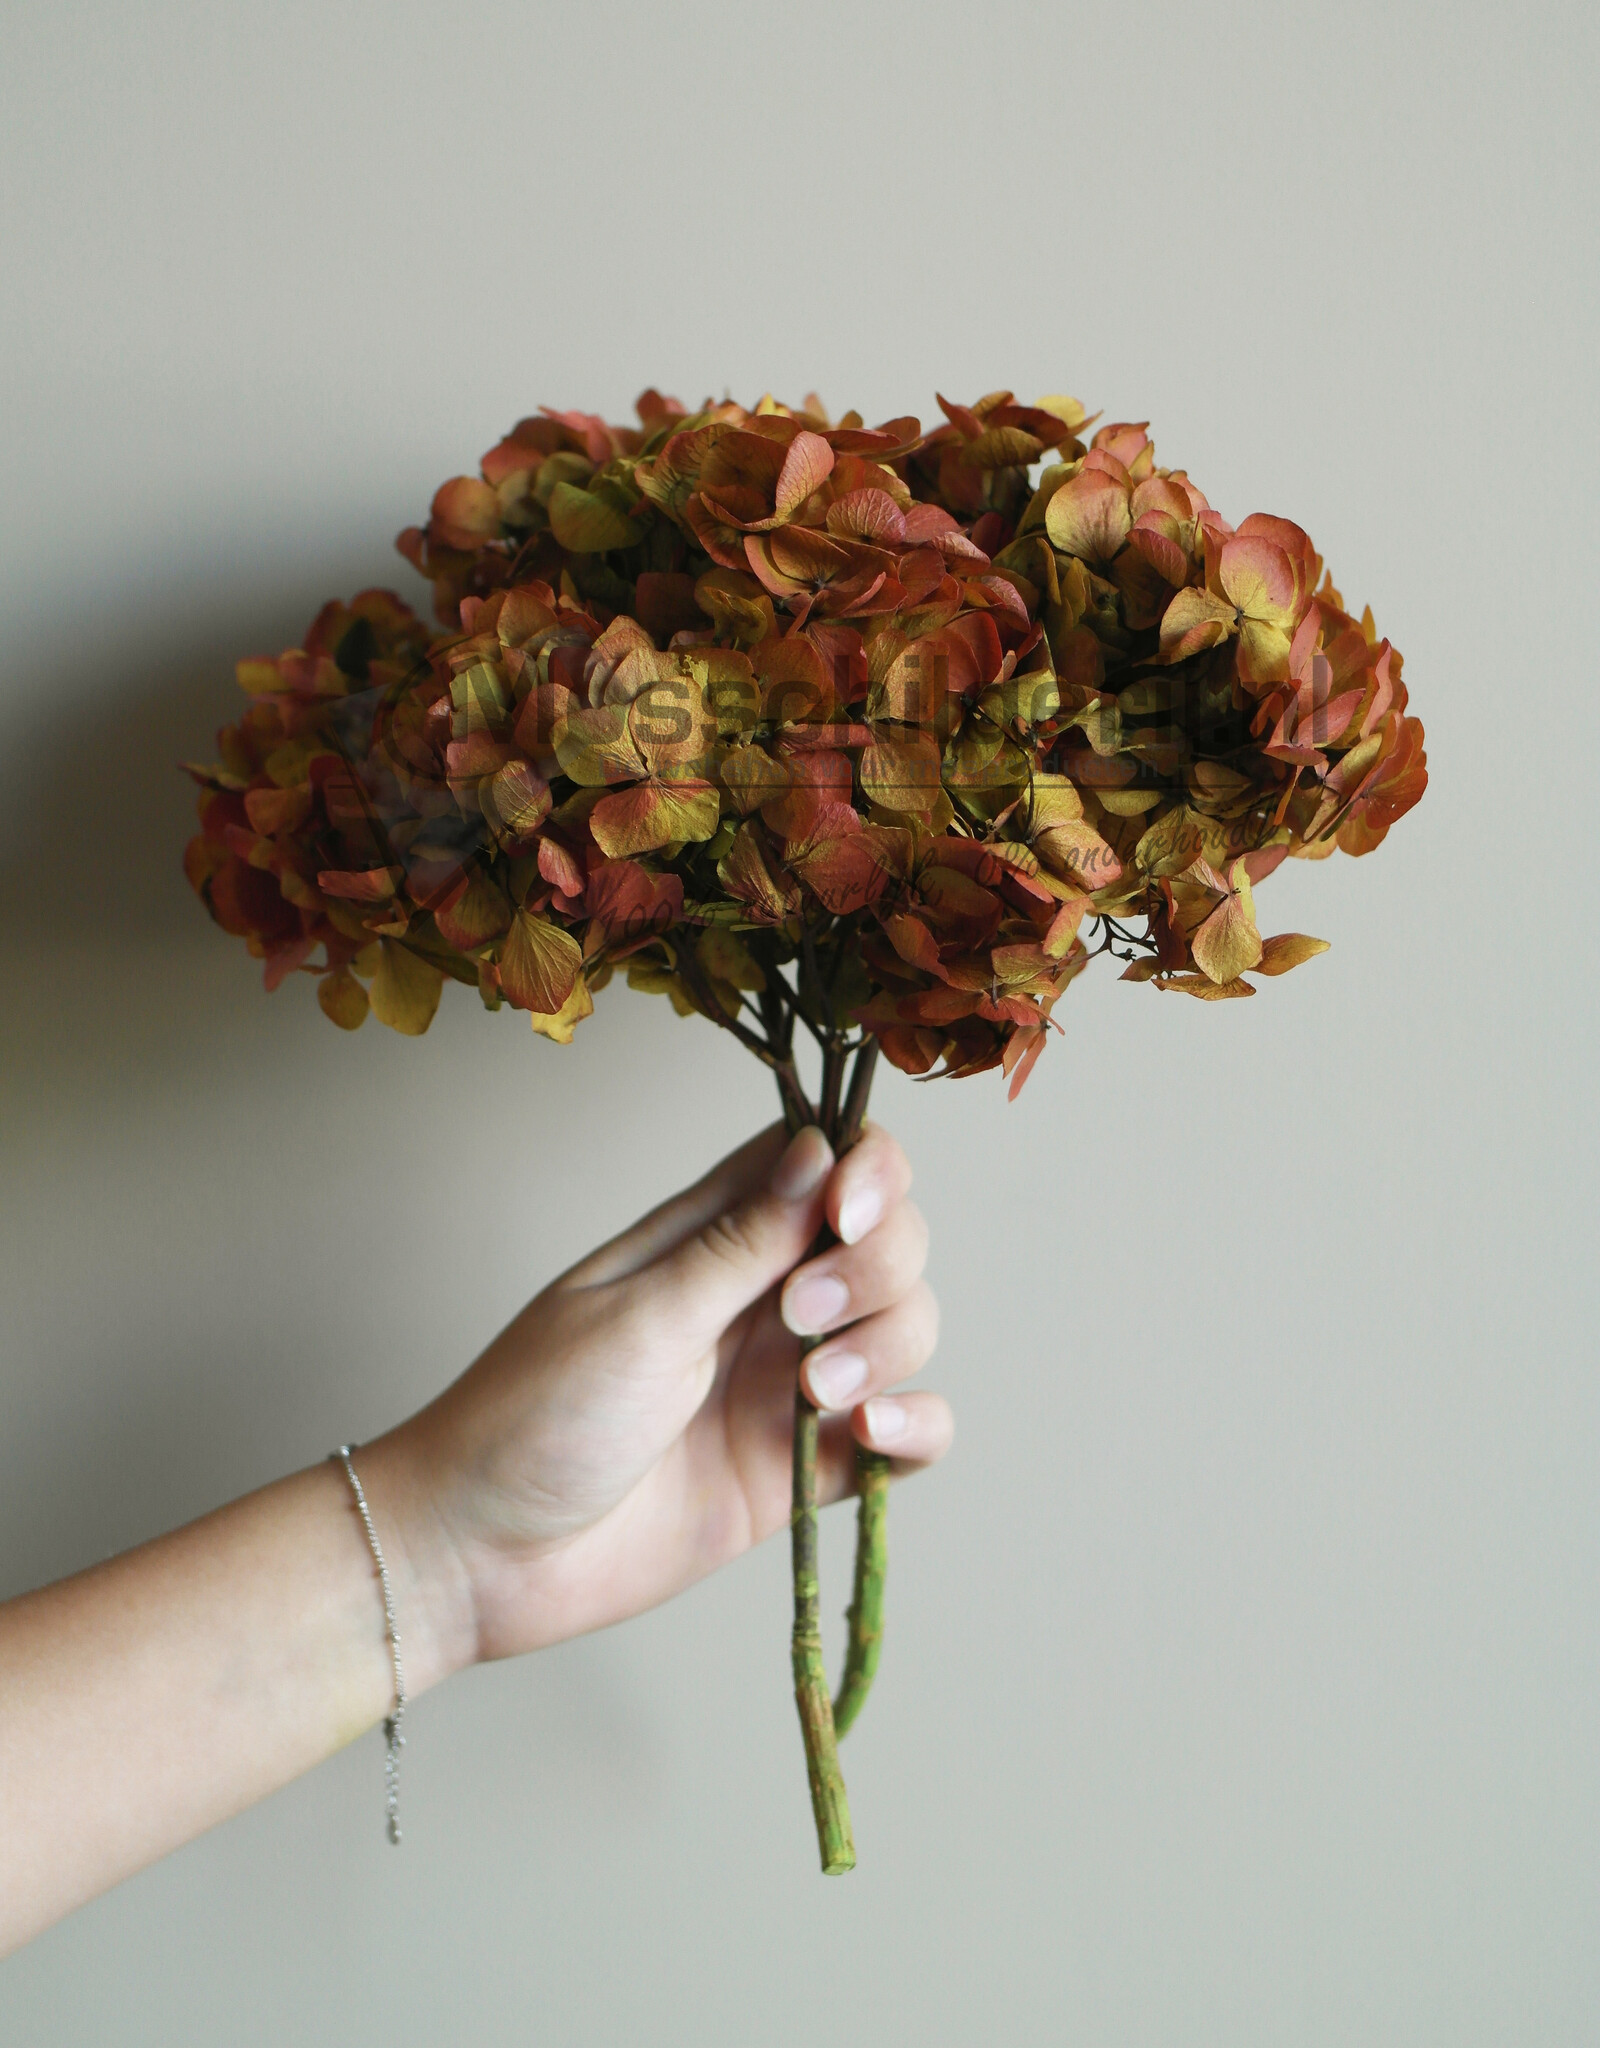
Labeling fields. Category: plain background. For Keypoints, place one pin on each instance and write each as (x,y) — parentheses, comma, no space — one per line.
(1241,1678)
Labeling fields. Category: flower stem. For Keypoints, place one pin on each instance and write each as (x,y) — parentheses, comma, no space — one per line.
(864,1644)
(866,1606)
(830,1804)
(821,1723)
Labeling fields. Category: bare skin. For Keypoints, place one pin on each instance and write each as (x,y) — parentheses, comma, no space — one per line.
(627,1434)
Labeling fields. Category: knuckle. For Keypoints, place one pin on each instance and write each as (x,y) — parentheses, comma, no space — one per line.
(890,1168)
(918,1335)
(732,1239)
(891,1152)
(931,1317)
(912,1247)
(930,1429)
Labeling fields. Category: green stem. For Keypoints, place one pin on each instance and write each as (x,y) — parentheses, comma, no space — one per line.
(796,1109)
(866,1605)
(854,1113)
(864,1644)
(822,1723)
(830,1803)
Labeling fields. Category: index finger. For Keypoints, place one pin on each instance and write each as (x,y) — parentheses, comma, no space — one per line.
(866,1184)
(681,1215)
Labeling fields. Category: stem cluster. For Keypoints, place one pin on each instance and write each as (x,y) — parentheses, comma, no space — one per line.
(848,1064)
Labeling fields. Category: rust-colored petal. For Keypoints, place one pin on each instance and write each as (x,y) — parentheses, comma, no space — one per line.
(466,513)
(653,814)
(405,989)
(538,964)
(1286,950)
(343,999)
(1227,942)
(1089,516)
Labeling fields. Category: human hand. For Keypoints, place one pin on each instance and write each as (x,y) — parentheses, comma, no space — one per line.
(628,1433)
(631,1430)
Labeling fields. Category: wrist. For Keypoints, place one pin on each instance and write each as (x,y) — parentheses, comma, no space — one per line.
(435,1607)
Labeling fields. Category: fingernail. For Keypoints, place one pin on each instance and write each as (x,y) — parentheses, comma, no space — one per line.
(858,1213)
(886,1419)
(803,1167)
(833,1377)
(809,1305)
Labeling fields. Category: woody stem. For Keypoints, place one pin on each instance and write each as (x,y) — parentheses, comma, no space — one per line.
(830,1803)
(864,1643)
(822,1721)
(796,1110)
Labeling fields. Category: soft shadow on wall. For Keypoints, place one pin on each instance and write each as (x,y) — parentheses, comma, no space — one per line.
(122,1002)
(96,809)
(233,1234)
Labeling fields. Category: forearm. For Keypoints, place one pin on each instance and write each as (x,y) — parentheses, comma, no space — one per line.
(151,1697)
(627,1433)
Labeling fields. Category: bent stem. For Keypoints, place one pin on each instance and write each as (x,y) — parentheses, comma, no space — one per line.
(864,1643)
(821,1721)
(840,1114)
(865,1617)
(830,1803)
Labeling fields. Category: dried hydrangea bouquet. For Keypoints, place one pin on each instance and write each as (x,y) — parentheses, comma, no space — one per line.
(868,734)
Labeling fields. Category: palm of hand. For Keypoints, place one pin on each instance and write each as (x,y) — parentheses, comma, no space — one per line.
(631,1429)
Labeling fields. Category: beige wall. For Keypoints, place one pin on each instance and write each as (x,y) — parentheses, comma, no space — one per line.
(1241,1676)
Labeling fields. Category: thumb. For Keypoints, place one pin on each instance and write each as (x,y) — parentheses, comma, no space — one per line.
(731,1260)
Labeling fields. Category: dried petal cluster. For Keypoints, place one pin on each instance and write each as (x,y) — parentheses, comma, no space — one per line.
(717,696)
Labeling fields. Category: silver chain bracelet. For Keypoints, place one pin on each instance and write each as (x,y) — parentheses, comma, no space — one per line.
(394,1740)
